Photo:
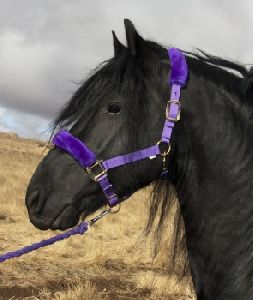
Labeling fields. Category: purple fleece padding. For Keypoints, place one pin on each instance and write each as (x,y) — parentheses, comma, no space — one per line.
(78,150)
(179,70)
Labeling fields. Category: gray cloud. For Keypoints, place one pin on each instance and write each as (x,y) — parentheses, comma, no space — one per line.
(45,44)
(28,125)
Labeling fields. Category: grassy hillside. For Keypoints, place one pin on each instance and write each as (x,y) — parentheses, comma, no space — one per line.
(111,261)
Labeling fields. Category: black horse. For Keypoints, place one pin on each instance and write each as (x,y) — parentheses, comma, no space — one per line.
(119,109)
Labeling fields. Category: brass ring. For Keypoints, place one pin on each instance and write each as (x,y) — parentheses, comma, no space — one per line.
(166,152)
(115,209)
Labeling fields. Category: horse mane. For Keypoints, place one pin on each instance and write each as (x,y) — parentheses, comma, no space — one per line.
(122,69)
(227,73)
(121,74)
(125,73)
(232,75)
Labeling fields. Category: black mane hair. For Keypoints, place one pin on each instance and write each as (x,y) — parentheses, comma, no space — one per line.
(125,72)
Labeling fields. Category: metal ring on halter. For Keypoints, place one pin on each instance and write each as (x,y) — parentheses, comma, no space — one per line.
(166,151)
(115,209)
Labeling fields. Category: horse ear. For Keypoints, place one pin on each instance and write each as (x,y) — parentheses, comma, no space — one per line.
(118,47)
(138,47)
(135,42)
(132,36)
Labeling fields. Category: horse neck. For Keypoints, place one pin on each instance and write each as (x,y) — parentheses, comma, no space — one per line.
(213,162)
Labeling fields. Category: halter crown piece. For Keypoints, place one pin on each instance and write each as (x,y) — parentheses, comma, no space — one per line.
(98,169)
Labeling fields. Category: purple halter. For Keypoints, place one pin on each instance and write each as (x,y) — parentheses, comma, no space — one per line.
(98,169)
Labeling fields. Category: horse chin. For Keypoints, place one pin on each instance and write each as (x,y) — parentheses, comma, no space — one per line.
(66,219)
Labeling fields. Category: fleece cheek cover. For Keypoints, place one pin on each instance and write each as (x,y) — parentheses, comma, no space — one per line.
(78,150)
(179,70)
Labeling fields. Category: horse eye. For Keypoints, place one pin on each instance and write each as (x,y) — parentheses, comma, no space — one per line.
(113,108)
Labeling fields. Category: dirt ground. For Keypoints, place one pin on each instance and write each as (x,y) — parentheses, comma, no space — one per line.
(111,261)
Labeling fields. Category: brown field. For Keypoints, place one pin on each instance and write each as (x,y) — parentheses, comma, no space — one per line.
(111,261)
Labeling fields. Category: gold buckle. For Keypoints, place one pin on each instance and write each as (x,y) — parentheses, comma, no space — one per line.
(91,170)
(178,114)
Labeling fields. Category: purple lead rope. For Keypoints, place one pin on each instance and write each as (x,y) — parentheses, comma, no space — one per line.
(80,229)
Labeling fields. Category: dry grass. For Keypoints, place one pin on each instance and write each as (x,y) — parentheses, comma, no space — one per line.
(109,262)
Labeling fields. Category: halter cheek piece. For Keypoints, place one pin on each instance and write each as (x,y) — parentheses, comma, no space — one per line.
(98,169)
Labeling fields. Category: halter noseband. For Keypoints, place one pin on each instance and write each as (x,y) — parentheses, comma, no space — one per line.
(98,169)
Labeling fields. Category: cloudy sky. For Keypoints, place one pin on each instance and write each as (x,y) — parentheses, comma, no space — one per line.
(48,45)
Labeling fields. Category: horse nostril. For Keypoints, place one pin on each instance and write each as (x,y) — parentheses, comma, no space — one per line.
(35,201)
